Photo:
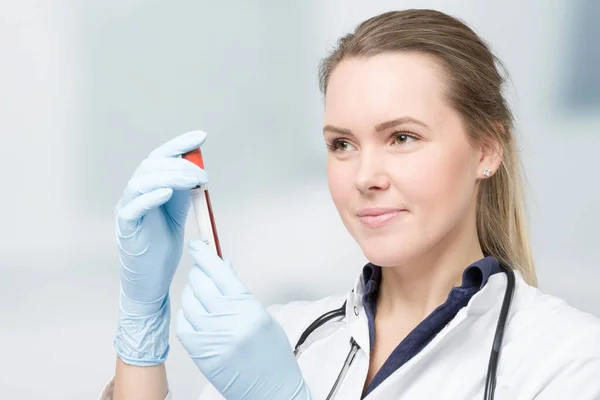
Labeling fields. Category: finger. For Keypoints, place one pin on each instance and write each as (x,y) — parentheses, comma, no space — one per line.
(192,308)
(204,289)
(186,334)
(180,145)
(194,342)
(130,215)
(178,206)
(154,165)
(230,266)
(176,180)
(222,276)
(182,325)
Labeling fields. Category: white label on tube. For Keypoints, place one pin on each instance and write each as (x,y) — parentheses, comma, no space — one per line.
(203,216)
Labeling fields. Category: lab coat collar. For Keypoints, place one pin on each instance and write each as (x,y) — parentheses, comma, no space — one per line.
(493,287)
(490,296)
(476,274)
(356,315)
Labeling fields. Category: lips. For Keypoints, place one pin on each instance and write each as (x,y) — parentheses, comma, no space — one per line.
(379,217)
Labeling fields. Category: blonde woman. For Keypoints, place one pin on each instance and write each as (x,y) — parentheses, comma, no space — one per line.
(424,170)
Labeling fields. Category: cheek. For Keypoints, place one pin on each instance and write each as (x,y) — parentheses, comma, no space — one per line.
(438,182)
(338,180)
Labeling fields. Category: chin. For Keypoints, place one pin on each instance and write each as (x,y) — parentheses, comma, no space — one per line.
(389,251)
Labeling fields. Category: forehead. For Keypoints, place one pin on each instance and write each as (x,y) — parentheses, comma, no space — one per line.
(387,86)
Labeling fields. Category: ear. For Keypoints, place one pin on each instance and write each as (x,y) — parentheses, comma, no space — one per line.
(491,154)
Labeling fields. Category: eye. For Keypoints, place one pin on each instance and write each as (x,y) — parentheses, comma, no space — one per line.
(339,145)
(403,137)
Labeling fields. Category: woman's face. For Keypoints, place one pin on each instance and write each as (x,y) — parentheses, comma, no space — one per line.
(401,171)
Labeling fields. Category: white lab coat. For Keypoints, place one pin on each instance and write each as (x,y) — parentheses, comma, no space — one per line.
(550,350)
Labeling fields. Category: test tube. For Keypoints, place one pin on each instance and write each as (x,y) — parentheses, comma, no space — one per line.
(202,207)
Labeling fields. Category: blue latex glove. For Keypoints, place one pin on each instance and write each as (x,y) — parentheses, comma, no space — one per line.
(239,347)
(150,221)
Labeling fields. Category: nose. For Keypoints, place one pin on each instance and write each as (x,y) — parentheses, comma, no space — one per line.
(371,174)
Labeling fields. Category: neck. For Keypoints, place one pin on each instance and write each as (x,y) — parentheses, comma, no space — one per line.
(415,289)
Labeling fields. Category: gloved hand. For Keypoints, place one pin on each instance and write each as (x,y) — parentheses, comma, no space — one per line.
(150,221)
(239,347)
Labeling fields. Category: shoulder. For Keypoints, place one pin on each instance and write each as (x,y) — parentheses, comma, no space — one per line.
(550,346)
(552,320)
(296,316)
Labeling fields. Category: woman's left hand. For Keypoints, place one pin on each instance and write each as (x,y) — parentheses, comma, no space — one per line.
(239,347)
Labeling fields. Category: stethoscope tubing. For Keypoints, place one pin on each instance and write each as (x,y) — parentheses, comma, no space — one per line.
(490,381)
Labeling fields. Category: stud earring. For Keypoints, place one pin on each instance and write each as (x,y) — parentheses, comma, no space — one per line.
(487,172)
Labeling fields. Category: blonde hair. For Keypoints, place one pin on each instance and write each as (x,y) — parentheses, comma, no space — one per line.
(475,91)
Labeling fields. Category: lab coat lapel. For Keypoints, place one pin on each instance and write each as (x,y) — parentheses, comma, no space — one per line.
(357,317)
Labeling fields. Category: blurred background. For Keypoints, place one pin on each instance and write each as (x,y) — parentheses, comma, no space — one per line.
(88,89)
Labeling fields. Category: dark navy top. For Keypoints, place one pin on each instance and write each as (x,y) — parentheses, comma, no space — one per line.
(474,278)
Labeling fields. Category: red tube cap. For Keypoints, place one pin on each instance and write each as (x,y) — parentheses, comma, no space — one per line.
(195,156)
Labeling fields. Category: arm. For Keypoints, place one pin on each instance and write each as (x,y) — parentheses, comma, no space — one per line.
(150,220)
(133,382)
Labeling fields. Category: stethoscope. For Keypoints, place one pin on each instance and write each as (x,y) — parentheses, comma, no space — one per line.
(490,381)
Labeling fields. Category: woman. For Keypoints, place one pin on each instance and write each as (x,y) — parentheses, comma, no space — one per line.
(424,171)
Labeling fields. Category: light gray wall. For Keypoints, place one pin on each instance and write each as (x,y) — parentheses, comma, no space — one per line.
(89,88)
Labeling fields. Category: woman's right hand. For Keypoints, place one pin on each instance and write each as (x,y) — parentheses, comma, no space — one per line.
(150,221)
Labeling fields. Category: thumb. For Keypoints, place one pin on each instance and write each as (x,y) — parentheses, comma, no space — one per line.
(230,266)
(178,206)
(221,273)
(129,216)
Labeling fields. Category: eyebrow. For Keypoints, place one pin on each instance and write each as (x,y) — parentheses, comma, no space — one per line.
(379,127)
